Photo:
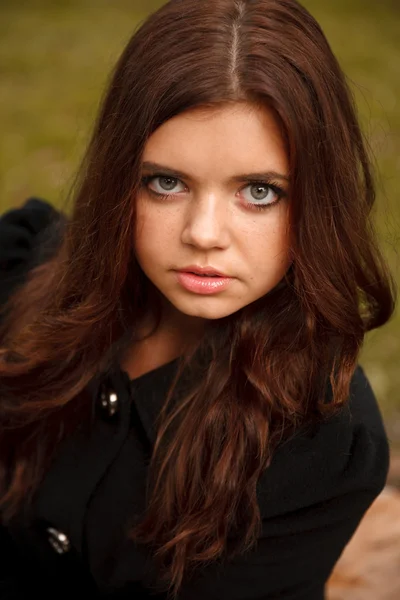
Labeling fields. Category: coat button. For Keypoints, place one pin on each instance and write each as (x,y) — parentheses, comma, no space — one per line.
(109,401)
(58,540)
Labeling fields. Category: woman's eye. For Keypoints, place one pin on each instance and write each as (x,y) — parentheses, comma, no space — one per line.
(261,194)
(165,184)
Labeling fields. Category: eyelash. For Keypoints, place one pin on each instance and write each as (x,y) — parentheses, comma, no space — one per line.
(252,206)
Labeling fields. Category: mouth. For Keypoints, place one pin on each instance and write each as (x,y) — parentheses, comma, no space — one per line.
(208,271)
(202,274)
(203,283)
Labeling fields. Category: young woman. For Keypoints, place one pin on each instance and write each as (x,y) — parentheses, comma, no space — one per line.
(182,411)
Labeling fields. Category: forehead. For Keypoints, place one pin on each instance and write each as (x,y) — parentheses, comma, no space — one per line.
(239,136)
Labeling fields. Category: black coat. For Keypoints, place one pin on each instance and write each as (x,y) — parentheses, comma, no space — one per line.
(311,498)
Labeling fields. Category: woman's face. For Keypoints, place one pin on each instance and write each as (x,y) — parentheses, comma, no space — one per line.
(207,218)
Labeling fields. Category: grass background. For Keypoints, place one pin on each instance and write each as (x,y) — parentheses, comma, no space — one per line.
(56,55)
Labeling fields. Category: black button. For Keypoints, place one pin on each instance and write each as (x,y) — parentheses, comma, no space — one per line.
(108,400)
(58,540)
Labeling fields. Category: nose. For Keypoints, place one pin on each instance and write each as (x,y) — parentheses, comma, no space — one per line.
(206,222)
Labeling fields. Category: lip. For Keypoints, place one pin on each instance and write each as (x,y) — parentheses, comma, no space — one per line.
(202,285)
(202,270)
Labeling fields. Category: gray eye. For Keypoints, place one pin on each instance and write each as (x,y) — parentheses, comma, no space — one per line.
(167,183)
(259,191)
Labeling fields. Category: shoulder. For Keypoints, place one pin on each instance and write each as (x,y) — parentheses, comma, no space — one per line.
(23,233)
(363,407)
(347,455)
(358,432)
(23,227)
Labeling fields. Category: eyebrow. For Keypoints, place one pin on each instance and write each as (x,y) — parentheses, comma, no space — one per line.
(155,167)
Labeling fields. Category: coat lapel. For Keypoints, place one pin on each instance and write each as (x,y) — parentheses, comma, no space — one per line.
(83,458)
(148,393)
(80,463)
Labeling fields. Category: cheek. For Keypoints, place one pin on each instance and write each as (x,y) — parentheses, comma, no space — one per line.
(282,239)
(156,227)
(273,235)
(152,238)
(269,249)
(146,227)
(280,233)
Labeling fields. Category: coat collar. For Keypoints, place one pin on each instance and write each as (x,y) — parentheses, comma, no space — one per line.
(147,395)
(82,459)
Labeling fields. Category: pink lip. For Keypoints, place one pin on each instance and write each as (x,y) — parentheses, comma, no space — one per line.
(202,285)
(202,270)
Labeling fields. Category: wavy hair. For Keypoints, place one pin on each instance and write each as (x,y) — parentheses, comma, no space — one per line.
(77,313)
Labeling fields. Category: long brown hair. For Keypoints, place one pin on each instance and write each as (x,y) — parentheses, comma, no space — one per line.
(270,364)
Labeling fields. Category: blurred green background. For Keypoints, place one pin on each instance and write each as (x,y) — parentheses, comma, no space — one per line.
(56,55)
